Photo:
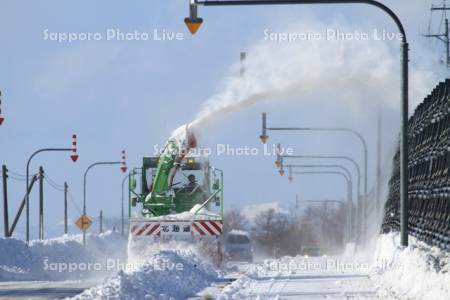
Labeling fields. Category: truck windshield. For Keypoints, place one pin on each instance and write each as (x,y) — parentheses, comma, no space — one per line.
(238,239)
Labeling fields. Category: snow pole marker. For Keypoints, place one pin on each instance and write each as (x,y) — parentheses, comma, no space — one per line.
(74,155)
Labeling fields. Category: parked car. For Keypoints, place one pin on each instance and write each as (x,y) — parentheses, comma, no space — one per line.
(238,246)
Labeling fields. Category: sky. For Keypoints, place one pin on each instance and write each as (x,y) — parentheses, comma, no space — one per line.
(118,94)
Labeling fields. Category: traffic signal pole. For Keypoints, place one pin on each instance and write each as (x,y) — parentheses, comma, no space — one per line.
(5,201)
(27,199)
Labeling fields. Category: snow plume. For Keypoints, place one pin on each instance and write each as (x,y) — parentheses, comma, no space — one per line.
(345,70)
(166,275)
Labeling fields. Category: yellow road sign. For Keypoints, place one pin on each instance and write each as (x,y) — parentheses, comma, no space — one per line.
(83,222)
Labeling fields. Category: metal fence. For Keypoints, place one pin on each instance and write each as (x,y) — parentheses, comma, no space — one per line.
(429,178)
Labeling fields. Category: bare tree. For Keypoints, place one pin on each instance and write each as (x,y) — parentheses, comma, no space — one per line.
(276,233)
(234,219)
(323,226)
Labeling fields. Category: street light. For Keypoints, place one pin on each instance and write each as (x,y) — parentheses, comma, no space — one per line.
(193,22)
(404,85)
(122,208)
(344,169)
(346,158)
(347,171)
(264,137)
(123,169)
(349,204)
(331,129)
(74,158)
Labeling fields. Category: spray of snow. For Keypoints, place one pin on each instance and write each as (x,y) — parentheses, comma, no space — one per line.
(344,69)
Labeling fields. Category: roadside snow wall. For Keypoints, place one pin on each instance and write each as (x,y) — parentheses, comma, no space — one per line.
(415,272)
(165,275)
(51,259)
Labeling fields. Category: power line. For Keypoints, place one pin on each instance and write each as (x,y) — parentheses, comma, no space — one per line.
(53,183)
(71,198)
(17,175)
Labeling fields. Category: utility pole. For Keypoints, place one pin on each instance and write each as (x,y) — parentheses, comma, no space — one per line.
(442,36)
(34,178)
(41,203)
(5,201)
(101,221)
(65,208)
(1,117)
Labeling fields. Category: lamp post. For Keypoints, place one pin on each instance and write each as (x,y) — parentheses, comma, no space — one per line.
(403,89)
(74,158)
(127,177)
(331,129)
(346,158)
(349,206)
(350,187)
(131,179)
(123,168)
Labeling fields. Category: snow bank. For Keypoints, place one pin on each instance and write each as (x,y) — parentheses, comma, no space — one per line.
(165,275)
(60,258)
(239,289)
(415,272)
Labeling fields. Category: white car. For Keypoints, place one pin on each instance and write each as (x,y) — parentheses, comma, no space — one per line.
(238,246)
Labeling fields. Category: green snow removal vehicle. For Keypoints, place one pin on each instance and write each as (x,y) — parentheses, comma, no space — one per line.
(180,195)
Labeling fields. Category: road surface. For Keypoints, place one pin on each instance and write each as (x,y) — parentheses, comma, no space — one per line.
(292,280)
(295,278)
(42,289)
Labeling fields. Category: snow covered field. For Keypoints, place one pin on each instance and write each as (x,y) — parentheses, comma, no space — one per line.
(61,258)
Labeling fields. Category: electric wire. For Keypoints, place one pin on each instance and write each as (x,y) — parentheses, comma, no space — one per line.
(72,200)
(52,184)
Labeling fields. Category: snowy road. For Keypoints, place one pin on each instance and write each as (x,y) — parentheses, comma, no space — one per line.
(312,287)
(42,289)
(300,278)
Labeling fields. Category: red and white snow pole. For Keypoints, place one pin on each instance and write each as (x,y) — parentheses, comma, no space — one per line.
(74,155)
(124,162)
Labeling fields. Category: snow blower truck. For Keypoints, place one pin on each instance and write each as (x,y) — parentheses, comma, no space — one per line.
(180,199)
